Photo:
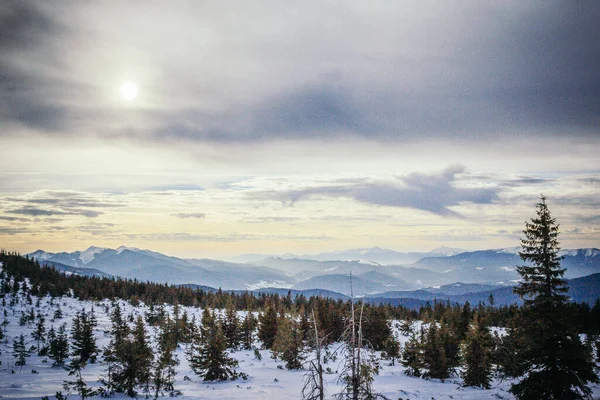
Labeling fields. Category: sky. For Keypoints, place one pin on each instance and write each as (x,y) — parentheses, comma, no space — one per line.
(210,129)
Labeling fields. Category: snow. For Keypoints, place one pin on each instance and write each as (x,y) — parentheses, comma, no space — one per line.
(510,250)
(266,381)
(267,284)
(121,249)
(88,255)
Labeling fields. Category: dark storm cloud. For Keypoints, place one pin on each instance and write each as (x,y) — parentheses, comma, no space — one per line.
(433,193)
(467,70)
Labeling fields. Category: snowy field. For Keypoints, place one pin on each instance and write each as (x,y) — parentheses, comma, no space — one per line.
(265,379)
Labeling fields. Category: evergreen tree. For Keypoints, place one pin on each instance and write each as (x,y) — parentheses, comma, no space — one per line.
(554,362)
(247,329)
(391,349)
(59,345)
(20,353)
(83,341)
(477,355)
(231,327)
(209,358)
(288,344)
(163,376)
(412,355)
(268,326)
(142,355)
(434,354)
(39,334)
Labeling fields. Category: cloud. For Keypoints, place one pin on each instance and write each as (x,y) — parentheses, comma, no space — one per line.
(498,71)
(35,212)
(433,193)
(11,219)
(189,215)
(61,203)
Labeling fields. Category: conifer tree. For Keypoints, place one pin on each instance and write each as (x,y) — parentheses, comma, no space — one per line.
(477,355)
(210,359)
(268,326)
(553,361)
(39,334)
(59,345)
(142,354)
(83,341)
(434,354)
(247,329)
(288,344)
(20,353)
(163,375)
(231,327)
(412,355)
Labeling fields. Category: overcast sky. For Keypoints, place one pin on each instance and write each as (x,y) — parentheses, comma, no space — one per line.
(276,126)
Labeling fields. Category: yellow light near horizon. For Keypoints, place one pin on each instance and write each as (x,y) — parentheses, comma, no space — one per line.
(129,91)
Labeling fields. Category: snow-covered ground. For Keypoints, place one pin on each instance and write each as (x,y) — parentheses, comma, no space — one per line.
(266,380)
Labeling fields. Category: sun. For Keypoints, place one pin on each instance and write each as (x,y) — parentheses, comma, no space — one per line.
(129,91)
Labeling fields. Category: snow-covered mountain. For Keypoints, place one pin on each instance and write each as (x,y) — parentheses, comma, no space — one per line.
(146,265)
(499,265)
(371,254)
(440,267)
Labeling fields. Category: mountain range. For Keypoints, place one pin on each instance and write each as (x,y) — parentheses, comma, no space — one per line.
(484,269)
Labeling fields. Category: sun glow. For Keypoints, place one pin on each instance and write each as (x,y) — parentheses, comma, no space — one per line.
(129,91)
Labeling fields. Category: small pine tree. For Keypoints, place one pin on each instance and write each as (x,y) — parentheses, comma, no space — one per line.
(210,359)
(288,344)
(231,327)
(163,376)
(434,354)
(58,345)
(142,355)
(247,329)
(83,341)
(39,334)
(391,348)
(267,330)
(477,355)
(20,353)
(412,355)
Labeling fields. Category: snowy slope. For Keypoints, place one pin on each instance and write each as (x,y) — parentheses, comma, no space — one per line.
(266,380)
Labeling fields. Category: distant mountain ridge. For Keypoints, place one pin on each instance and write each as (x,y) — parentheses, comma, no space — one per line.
(494,268)
(374,254)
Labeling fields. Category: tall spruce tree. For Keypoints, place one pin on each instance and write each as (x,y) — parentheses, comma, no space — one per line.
(553,363)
